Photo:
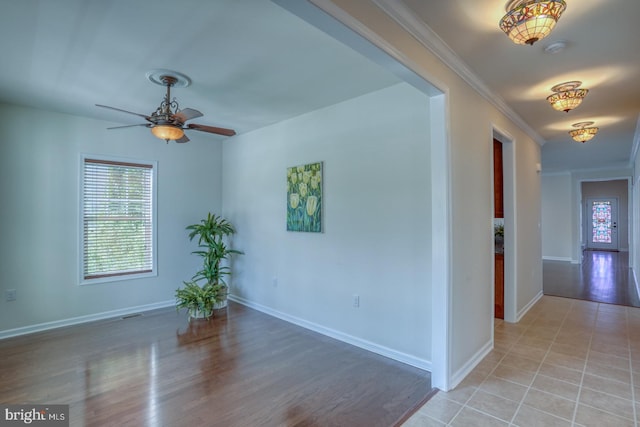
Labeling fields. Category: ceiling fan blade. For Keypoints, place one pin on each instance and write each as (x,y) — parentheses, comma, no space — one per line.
(183,139)
(129,126)
(211,129)
(187,114)
(124,111)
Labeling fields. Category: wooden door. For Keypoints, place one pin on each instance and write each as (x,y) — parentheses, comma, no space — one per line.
(498,186)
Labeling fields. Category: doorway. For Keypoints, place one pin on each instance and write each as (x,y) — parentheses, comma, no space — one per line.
(504,276)
(602,223)
(498,226)
(605,225)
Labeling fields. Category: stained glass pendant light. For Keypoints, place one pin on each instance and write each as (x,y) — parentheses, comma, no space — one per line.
(528,21)
(584,132)
(567,96)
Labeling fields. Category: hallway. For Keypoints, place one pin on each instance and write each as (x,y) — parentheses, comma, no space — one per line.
(602,277)
(568,362)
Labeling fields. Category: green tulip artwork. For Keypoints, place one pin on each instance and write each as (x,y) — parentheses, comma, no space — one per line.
(304,198)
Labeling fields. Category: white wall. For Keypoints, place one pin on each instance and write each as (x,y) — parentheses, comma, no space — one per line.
(563,204)
(39,189)
(528,217)
(557,222)
(471,120)
(376,239)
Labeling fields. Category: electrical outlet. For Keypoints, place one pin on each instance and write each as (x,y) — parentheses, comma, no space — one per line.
(356,301)
(10,295)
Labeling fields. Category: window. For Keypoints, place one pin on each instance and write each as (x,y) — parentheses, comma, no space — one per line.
(118,219)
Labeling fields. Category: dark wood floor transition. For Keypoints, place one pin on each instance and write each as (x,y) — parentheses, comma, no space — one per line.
(602,277)
(243,368)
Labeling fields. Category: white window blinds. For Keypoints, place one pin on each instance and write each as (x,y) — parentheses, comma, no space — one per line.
(117,218)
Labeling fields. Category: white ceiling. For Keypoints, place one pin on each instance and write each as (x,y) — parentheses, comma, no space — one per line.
(602,51)
(252,63)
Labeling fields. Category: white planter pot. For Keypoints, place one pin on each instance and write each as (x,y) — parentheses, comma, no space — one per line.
(223,302)
(197,314)
(220,304)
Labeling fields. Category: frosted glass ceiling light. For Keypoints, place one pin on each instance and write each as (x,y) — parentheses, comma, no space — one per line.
(528,21)
(567,96)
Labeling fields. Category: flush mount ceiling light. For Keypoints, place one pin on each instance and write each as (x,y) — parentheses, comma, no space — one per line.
(567,96)
(528,21)
(584,133)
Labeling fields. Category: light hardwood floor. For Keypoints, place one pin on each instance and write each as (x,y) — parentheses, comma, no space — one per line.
(601,277)
(243,369)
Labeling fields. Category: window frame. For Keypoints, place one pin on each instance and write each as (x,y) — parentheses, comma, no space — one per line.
(117,277)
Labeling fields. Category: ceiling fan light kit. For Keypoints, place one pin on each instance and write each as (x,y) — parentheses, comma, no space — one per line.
(167,127)
(168,121)
(528,21)
(167,132)
(567,96)
(584,132)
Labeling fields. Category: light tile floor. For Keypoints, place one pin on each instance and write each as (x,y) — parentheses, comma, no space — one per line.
(566,363)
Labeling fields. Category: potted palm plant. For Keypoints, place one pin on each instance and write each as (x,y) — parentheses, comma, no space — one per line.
(212,233)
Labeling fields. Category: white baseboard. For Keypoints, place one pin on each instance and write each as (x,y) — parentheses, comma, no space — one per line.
(527,307)
(340,336)
(466,369)
(557,258)
(83,319)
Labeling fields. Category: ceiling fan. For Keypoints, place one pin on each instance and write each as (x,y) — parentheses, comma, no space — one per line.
(168,122)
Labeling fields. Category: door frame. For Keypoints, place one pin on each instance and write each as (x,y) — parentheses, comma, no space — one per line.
(498,219)
(510,248)
(579,233)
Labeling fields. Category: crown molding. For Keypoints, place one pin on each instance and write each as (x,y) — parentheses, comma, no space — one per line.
(400,13)
(622,168)
(555,173)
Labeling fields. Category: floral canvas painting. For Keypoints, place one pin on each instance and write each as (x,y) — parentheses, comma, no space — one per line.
(304,198)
